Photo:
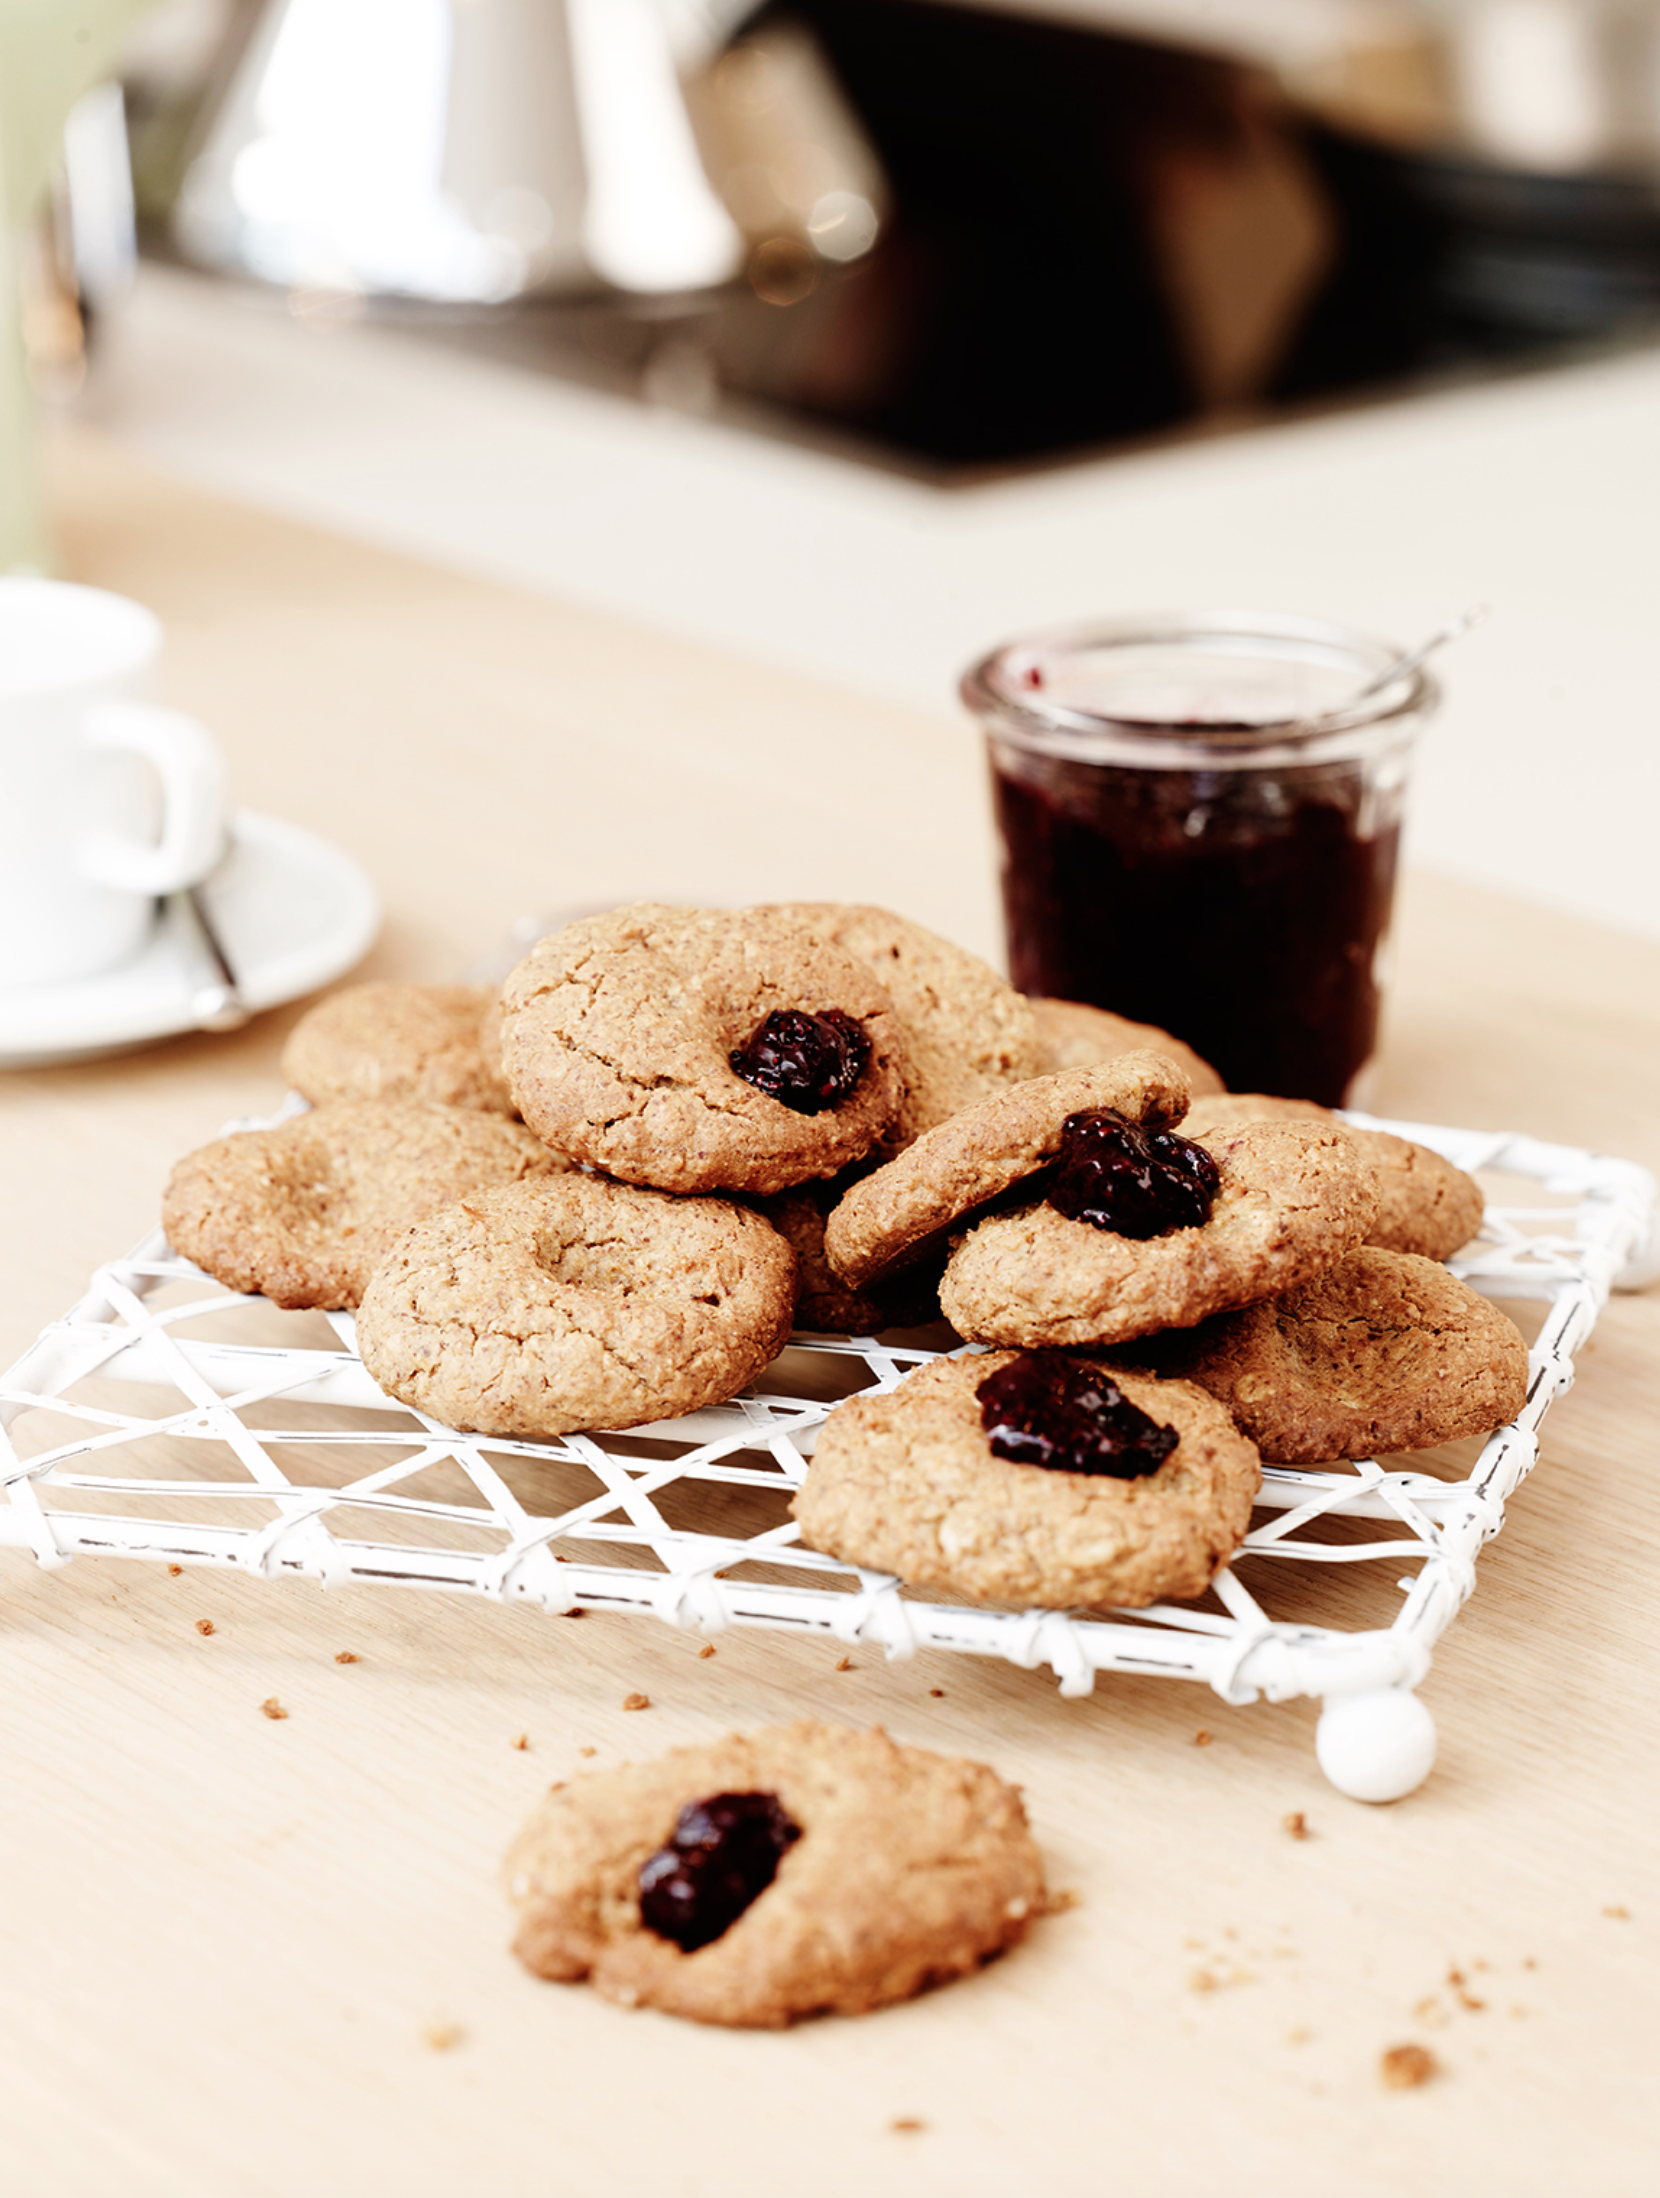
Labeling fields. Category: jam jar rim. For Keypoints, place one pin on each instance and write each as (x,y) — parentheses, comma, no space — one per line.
(1025,716)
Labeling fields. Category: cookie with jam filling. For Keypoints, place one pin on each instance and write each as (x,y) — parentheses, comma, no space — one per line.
(801,1870)
(1291,1199)
(1107,1488)
(701,1050)
(987,1152)
(967,1031)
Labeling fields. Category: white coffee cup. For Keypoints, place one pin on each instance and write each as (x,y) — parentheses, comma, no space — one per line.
(107,801)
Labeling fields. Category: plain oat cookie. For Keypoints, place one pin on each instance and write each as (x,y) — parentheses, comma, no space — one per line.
(1382,1353)
(618,1035)
(910,1869)
(1072,1034)
(397,1041)
(302,1212)
(907,1482)
(570,1302)
(1425,1204)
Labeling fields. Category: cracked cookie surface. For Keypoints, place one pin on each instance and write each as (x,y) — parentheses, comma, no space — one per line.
(911,1869)
(568,1302)
(1384,1352)
(967,1030)
(907,1482)
(398,1041)
(1425,1204)
(983,1153)
(1294,1198)
(302,1212)
(1072,1034)
(618,1032)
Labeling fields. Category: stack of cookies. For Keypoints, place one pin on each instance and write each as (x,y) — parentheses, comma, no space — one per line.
(604,1196)
(1166,1308)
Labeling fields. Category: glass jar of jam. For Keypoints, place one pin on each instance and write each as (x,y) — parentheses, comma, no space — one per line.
(1200,817)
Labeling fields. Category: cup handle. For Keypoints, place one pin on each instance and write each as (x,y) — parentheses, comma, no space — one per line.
(193,783)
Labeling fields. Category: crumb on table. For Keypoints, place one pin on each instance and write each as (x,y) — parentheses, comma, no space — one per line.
(1404,2067)
(636,1701)
(347,1656)
(1296,1824)
(271,1707)
(204,1625)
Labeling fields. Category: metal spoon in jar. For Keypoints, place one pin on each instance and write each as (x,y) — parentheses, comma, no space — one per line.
(1453,630)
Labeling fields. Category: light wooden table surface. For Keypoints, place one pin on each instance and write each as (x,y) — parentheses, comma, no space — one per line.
(229,1943)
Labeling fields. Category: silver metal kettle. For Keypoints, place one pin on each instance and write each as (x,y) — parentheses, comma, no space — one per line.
(461,151)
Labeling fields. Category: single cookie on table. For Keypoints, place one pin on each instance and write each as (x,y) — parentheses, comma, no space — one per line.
(301,1213)
(1384,1352)
(1072,1034)
(909,1482)
(568,1302)
(397,1041)
(1290,1200)
(816,1870)
(701,1049)
(967,1030)
(982,1154)
(1425,1204)
(908,1298)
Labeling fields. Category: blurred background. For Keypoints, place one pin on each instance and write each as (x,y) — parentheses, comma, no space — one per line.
(949,236)
(852,335)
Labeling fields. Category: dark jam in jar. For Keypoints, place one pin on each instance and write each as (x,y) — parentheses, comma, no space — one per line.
(1243,910)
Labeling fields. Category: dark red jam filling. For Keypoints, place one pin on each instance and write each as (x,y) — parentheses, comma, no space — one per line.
(723,1853)
(805,1062)
(1045,1408)
(1136,1182)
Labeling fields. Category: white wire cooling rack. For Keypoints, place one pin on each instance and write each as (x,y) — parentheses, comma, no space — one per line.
(166,1419)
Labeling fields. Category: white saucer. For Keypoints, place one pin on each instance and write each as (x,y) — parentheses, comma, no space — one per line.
(292,909)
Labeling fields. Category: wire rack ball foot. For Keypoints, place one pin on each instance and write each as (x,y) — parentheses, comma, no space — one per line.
(1376,1746)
